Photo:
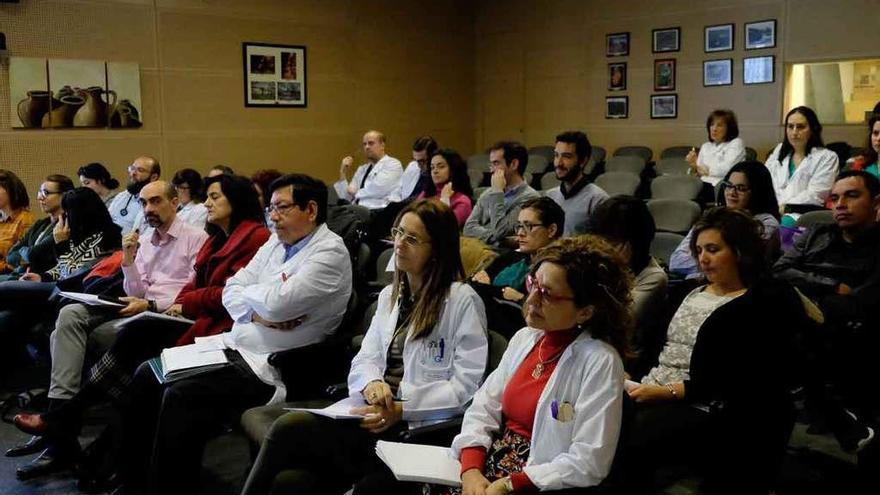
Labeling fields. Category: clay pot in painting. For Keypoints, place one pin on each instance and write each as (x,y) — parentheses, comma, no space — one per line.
(63,111)
(125,115)
(94,111)
(32,108)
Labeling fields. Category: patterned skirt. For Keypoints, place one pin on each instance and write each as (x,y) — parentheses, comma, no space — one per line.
(507,455)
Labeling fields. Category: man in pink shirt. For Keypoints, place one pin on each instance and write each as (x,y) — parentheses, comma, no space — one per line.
(156,266)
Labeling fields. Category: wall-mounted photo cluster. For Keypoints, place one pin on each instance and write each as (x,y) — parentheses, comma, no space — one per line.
(274,75)
(617,45)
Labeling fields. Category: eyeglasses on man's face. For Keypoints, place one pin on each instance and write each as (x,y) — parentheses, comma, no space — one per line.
(43,193)
(526,227)
(403,236)
(280,208)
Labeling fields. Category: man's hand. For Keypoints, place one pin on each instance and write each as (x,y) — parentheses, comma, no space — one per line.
(498,180)
(347,162)
(279,325)
(498,487)
(130,245)
(135,306)
(61,231)
(473,482)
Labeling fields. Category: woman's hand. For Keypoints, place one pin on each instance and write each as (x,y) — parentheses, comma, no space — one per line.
(691,158)
(61,231)
(378,393)
(498,487)
(482,277)
(651,393)
(175,310)
(31,277)
(447,191)
(512,294)
(473,482)
(378,419)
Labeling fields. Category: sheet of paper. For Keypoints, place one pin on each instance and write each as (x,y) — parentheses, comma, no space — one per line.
(153,316)
(421,463)
(90,299)
(338,410)
(190,356)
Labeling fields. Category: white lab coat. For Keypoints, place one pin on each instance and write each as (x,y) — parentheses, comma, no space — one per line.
(316,284)
(382,186)
(194,213)
(812,179)
(133,217)
(576,453)
(720,158)
(442,370)
(408,181)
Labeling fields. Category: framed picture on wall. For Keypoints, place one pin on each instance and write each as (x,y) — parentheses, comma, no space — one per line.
(760,34)
(664,106)
(758,70)
(718,72)
(666,40)
(664,74)
(616,107)
(274,75)
(718,38)
(617,76)
(616,44)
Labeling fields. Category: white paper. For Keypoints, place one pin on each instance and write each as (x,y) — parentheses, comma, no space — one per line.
(89,299)
(153,316)
(420,463)
(630,385)
(190,356)
(339,410)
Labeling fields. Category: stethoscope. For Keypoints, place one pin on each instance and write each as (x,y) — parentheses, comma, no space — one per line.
(124,210)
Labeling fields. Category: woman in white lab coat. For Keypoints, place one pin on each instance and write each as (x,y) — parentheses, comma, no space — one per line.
(548,418)
(421,361)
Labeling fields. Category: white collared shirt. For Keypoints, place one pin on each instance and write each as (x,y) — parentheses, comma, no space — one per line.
(719,158)
(126,203)
(193,213)
(409,180)
(381,187)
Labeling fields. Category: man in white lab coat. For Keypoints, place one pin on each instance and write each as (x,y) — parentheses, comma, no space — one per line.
(293,293)
(375,183)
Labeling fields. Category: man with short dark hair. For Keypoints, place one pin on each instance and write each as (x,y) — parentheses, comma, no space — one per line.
(497,209)
(375,183)
(125,210)
(412,182)
(578,197)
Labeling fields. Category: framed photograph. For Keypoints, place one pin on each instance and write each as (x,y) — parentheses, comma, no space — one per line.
(760,34)
(666,40)
(758,70)
(617,76)
(664,106)
(616,107)
(664,74)
(718,72)
(718,38)
(274,75)
(616,44)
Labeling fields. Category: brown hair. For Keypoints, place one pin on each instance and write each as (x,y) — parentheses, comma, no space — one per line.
(18,195)
(729,118)
(597,276)
(444,266)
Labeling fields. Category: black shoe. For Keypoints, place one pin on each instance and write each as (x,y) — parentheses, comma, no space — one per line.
(32,446)
(51,460)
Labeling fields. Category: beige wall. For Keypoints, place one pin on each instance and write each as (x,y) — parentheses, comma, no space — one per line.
(541,67)
(370,64)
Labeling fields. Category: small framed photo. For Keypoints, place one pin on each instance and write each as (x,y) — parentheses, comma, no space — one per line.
(760,34)
(616,107)
(758,70)
(664,106)
(666,40)
(718,72)
(664,74)
(274,75)
(617,76)
(718,38)
(616,44)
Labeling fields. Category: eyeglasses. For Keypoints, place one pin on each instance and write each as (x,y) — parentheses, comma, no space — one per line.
(134,168)
(532,285)
(399,234)
(740,188)
(281,208)
(46,192)
(526,227)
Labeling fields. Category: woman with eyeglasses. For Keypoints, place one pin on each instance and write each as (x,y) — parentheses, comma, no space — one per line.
(717,398)
(803,170)
(502,284)
(549,417)
(450,184)
(190,196)
(747,187)
(421,361)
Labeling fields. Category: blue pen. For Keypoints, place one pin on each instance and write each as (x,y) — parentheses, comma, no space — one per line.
(554,409)
(442,347)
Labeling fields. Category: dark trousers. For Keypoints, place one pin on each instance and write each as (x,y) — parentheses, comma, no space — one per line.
(21,305)
(166,426)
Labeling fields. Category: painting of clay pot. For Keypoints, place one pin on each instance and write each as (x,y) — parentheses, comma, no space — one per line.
(28,91)
(32,109)
(63,110)
(125,80)
(125,115)
(95,111)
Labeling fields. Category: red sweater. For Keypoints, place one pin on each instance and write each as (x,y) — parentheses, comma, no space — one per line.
(520,399)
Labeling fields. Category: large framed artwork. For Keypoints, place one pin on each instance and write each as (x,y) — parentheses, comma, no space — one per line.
(274,75)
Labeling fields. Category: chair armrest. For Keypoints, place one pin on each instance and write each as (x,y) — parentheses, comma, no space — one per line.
(437,431)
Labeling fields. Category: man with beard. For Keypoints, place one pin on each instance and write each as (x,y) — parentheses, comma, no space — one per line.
(578,198)
(125,210)
(375,183)
(154,272)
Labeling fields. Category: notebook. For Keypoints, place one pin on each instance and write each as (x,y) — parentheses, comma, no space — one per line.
(420,463)
(149,315)
(338,410)
(188,360)
(92,300)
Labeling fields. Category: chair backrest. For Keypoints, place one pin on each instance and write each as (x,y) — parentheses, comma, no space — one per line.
(549,181)
(812,218)
(497,346)
(476,177)
(676,187)
(618,183)
(627,163)
(537,164)
(676,152)
(384,277)
(332,196)
(545,151)
(363,257)
(475,255)
(480,161)
(672,165)
(598,154)
(641,151)
(663,245)
(751,154)
(674,215)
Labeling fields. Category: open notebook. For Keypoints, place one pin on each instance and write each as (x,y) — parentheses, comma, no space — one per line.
(420,463)
(180,362)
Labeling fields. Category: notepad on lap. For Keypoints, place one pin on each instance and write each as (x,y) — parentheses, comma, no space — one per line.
(420,463)
(91,299)
(188,360)
(150,315)
(338,410)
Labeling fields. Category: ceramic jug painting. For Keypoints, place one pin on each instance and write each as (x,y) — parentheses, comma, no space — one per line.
(94,111)
(31,109)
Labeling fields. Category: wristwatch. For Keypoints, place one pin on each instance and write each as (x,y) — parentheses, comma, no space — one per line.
(151,306)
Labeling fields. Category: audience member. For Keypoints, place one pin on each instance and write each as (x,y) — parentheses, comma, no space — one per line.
(36,249)
(549,417)
(15,215)
(417,174)
(220,170)
(576,195)
(450,183)
(125,209)
(426,312)
(262,179)
(626,223)
(802,169)
(190,196)
(97,178)
(301,277)
(722,151)
(497,209)
(747,187)
(502,285)
(235,221)
(868,160)
(375,183)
